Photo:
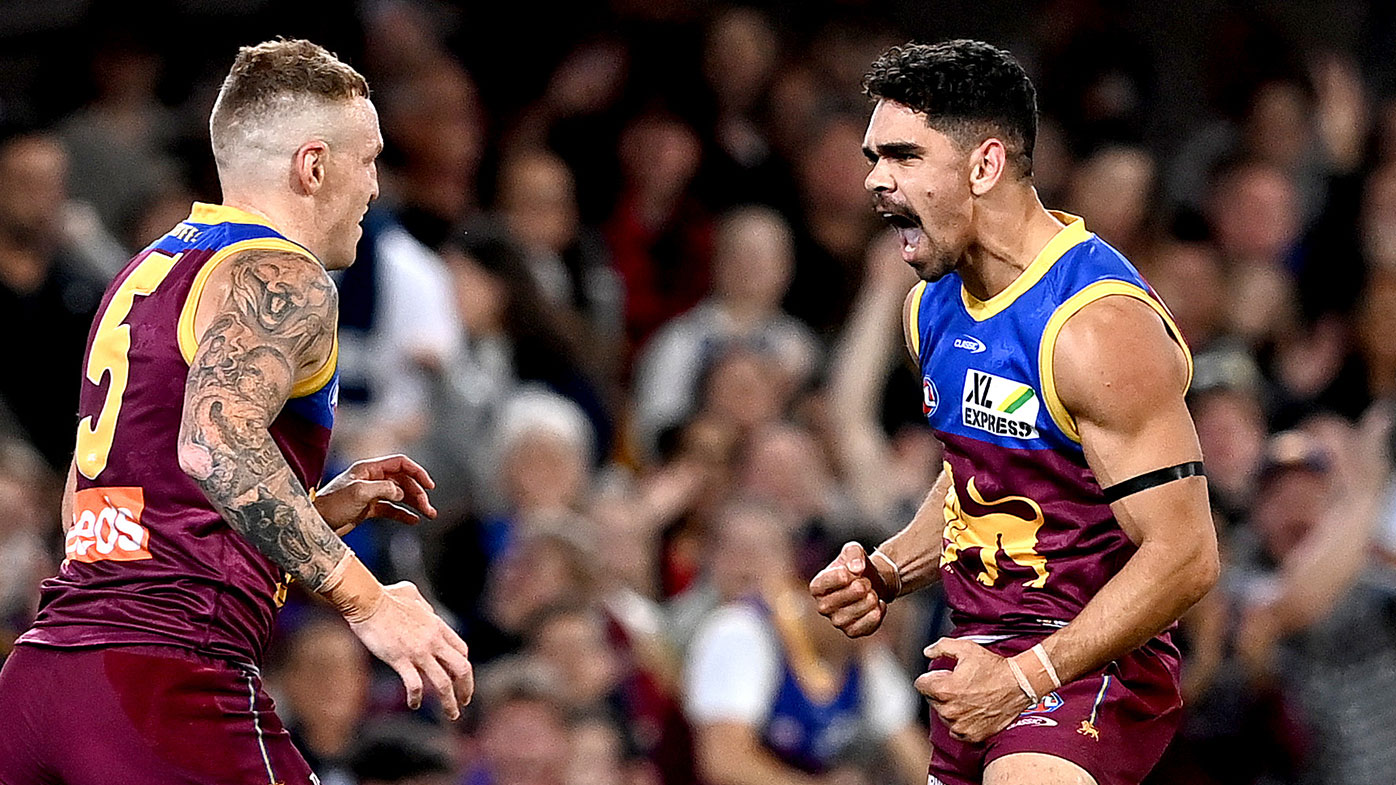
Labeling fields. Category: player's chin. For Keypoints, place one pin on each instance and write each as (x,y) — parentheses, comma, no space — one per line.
(346,254)
(927,269)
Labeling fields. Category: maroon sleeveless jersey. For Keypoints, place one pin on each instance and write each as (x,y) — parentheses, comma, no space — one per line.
(148,560)
(1029,537)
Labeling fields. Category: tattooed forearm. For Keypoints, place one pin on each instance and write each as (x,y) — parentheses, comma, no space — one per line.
(279,318)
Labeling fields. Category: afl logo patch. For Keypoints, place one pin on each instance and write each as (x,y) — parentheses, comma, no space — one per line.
(929,397)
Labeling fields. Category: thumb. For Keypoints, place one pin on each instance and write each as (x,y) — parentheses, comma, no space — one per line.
(854,557)
(954,648)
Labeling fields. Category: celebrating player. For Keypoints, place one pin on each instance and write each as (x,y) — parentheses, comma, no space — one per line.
(1070,522)
(206,411)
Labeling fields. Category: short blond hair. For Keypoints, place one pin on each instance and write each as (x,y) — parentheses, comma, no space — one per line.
(265,77)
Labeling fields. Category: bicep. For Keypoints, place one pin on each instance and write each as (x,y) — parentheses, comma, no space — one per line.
(1123,378)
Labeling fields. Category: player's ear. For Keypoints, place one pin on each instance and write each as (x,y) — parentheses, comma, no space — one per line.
(987,164)
(309,166)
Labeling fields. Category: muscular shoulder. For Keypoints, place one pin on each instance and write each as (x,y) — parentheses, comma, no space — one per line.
(1115,358)
(284,299)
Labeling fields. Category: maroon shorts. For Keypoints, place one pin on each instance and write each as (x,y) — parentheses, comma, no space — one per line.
(1114,723)
(138,714)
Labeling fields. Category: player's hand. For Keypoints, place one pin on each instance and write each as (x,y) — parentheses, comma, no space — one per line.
(391,487)
(978,697)
(847,592)
(407,634)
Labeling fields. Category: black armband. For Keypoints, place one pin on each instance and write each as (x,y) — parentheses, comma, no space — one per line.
(1148,480)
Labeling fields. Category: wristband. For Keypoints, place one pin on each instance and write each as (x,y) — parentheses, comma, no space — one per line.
(352,589)
(1023,683)
(1047,665)
(886,591)
(1039,680)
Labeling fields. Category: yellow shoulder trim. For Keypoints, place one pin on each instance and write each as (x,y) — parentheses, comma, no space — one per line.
(322,377)
(1069,236)
(188,341)
(913,322)
(1073,306)
(204,213)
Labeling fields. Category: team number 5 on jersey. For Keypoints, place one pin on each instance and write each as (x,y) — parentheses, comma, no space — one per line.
(110,347)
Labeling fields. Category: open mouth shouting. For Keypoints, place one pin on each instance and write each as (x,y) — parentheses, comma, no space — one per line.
(907,227)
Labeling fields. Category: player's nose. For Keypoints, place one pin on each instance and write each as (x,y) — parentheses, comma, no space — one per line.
(879,179)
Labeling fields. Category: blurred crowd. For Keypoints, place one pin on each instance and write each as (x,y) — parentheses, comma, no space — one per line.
(625,298)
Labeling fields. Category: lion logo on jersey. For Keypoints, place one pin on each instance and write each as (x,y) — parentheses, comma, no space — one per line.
(993,533)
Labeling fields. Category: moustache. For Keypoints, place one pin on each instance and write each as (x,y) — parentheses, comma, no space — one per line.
(895,212)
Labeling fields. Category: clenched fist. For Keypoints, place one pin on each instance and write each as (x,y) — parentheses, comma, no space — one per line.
(853,591)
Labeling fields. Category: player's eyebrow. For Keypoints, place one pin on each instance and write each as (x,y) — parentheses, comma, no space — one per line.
(893,150)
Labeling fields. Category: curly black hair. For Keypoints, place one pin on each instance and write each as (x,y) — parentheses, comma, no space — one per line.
(968,90)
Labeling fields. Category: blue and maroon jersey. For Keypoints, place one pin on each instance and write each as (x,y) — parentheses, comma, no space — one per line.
(148,560)
(1029,537)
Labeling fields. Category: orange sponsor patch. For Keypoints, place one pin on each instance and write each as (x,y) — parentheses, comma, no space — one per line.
(107,526)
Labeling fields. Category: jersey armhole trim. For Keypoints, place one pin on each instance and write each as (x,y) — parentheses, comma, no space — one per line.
(188,341)
(322,377)
(913,324)
(1096,291)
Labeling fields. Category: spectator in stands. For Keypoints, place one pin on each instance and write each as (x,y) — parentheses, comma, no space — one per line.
(738,530)
(325,723)
(1314,603)
(752,263)
(46,293)
(28,495)
(512,336)
(742,388)
(568,262)
(600,755)
(601,674)
(659,235)
(783,466)
(397,324)
(1188,275)
(1115,187)
(773,697)
(885,476)
(522,727)
(1227,405)
(741,50)
(119,144)
(548,566)
(1255,219)
(836,225)
(402,752)
(435,128)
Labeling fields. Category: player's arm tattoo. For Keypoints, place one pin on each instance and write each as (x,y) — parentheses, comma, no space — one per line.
(279,318)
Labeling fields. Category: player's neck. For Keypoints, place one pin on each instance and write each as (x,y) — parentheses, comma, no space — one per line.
(1012,231)
(284,218)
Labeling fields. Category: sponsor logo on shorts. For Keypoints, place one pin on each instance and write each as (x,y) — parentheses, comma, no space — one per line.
(999,406)
(1034,721)
(971,344)
(932,779)
(107,526)
(1045,705)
